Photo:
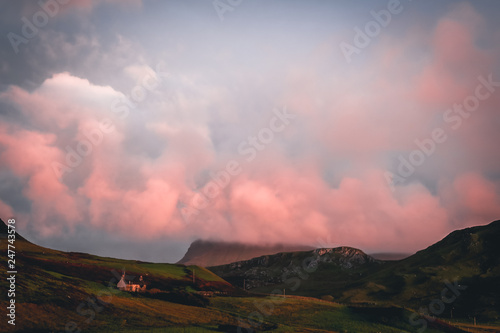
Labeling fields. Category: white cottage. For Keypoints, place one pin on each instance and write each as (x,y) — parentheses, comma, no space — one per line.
(134,287)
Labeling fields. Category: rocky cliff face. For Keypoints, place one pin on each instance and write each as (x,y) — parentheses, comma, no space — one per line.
(345,257)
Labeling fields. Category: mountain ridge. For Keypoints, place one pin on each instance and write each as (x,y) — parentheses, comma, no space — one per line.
(212,253)
(271,269)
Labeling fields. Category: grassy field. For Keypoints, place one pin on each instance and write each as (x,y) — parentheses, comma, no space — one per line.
(131,314)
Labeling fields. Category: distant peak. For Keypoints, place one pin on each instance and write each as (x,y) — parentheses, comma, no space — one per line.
(213,253)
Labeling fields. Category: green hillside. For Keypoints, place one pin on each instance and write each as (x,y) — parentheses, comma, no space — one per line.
(76,292)
(468,260)
(471,257)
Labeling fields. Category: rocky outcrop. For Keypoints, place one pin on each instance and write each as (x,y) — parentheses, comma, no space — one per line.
(273,269)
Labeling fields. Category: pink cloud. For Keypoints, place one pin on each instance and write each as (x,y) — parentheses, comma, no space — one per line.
(346,125)
(28,154)
(471,198)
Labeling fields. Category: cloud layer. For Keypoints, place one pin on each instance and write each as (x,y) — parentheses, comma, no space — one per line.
(141,151)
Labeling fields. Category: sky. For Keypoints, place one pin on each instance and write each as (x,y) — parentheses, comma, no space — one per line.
(131,128)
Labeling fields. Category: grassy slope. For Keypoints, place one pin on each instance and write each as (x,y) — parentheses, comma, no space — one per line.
(57,290)
(52,285)
(470,256)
